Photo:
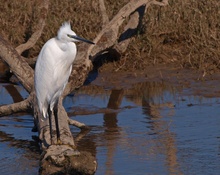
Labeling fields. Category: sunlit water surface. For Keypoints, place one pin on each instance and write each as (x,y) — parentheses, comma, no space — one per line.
(151,128)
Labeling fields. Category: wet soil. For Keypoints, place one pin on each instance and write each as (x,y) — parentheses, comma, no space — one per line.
(199,82)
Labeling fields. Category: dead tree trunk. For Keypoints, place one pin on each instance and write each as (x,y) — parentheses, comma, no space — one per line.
(65,159)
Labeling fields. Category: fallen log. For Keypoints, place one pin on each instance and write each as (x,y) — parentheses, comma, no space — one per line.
(65,159)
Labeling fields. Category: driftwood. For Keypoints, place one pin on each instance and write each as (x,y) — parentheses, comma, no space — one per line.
(65,159)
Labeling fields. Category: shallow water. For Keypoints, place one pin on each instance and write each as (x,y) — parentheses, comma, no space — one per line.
(152,128)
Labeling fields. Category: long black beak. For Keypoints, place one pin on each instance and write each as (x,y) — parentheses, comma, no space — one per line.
(80,39)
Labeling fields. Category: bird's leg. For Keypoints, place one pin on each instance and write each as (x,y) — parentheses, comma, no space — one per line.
(50,124)
(57,124)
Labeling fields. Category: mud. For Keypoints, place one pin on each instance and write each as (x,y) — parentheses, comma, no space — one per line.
(196,81)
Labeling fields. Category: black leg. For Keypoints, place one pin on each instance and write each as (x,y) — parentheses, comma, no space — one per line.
(57,123)
(50,124)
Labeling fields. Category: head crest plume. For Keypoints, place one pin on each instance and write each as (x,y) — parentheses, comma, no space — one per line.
(64,29)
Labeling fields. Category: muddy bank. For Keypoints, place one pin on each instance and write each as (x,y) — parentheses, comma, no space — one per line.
(199,82)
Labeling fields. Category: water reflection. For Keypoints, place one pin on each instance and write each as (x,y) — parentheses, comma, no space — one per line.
(113,136)
(18,156)
(165,139)
(11,93)
(31,147)
(147,129)
(136,140)
(112,130)
(19,150)
(16,96)
(152,101)
(153,97)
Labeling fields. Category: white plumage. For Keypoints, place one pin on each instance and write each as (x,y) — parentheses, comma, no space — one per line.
(53,68)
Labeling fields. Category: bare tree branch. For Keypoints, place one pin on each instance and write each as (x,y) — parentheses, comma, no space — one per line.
(77,124)
(105,18)
(40,26)
(130,29)
(44,130)
(109,34)
(17,65)
(16,107)
(78,75)
(55,158)
(162,3)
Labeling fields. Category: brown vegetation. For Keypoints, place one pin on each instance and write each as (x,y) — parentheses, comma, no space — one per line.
(185,32)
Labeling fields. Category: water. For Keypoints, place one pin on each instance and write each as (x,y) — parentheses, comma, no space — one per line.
(151,129)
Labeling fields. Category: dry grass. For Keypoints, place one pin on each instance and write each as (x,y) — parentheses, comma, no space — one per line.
(187,32)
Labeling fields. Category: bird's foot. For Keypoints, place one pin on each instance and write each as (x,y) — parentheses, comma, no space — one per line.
(59,142)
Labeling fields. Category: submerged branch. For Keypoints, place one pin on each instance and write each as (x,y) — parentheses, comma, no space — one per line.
(77,124)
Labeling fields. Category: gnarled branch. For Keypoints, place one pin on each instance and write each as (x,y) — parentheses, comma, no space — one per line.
(17,64)
(62,156)
(40,26)
(16,107)
(108,36)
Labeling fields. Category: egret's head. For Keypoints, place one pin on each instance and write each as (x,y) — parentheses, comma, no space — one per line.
(66,34)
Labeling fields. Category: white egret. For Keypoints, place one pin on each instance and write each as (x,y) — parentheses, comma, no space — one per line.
(52,71)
